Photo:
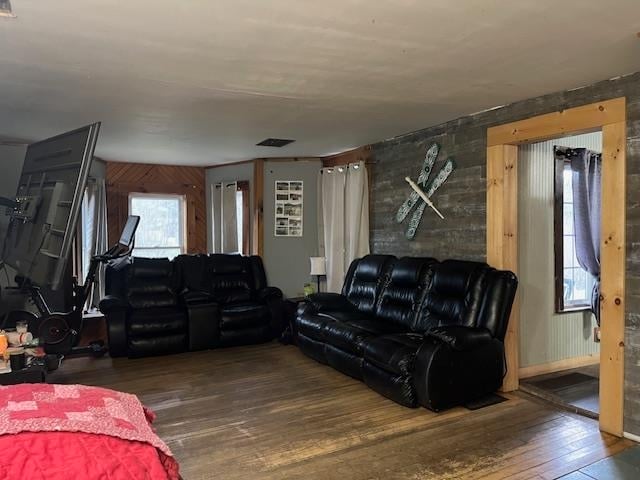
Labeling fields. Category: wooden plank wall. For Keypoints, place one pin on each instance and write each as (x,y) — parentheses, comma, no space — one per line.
(125,178)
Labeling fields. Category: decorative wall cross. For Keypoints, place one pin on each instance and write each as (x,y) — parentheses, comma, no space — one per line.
(430,188)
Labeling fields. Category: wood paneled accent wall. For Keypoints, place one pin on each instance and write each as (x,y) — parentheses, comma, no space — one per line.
(125,178)
(463,198)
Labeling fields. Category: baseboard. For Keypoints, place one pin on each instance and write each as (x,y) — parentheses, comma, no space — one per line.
(557,366)
(631,436)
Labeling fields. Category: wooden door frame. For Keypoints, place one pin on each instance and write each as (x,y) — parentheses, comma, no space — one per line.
(502,231)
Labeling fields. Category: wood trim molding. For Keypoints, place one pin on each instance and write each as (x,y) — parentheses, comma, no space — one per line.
(558,365)
(557,124)
(502,218)
(239,162)
(502,239)
(612,277)
(258,207)
(361,154)
(243,186)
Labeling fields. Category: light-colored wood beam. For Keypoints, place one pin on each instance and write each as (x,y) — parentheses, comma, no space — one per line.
(258,207)
(558,124)
(502,238)
(610,116)
(612,277)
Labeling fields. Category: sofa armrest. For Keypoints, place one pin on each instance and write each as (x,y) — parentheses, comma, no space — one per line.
(270,293)
(327,302)
(274,299)
(455,365)
(112,303)
(461,338)
(116,310)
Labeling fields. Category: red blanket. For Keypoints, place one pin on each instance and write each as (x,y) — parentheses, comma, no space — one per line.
(75,431)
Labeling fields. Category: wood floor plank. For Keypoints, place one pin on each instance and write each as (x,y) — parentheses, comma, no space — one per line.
(267,412)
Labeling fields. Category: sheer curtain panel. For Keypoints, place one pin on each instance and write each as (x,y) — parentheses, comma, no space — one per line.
(345,219)
(229,218)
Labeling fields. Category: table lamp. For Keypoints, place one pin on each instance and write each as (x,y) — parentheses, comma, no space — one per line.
(318,268)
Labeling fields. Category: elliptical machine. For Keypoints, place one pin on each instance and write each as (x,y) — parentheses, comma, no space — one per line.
(59,333)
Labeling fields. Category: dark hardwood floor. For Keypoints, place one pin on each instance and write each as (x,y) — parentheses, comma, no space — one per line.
(269,412)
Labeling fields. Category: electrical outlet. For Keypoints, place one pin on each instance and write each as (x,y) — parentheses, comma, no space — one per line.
(596,334)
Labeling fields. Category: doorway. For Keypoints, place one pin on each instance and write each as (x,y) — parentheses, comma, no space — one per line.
(559,339)
(502,232)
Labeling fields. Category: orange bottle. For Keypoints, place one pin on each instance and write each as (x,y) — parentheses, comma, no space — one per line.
(4,344)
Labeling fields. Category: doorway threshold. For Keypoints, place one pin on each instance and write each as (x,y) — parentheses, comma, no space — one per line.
(575,390)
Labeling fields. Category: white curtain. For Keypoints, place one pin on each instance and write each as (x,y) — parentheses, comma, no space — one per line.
(94,232)
(333,210)
(216,207)
(345,219)
(225,218)
(356,213)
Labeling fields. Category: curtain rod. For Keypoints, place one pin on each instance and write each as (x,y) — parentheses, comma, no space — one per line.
(355,166)
(569,151)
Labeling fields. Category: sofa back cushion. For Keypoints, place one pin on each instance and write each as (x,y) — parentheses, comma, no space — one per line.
(192,272)
(230,278)
(151,283)
(499,294)
(365,279)
(257,270)
(403,293)
(455,295)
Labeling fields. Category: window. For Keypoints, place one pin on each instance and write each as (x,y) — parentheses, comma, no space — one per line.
(573,284)
(161,232)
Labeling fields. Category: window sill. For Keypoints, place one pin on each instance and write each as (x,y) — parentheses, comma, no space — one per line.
(584,308)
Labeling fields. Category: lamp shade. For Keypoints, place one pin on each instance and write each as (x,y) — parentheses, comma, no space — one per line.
(318,266)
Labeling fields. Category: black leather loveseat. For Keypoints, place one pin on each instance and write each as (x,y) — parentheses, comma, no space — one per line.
(195,302)
(417,331)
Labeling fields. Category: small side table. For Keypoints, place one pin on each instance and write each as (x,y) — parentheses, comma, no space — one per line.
(289,336)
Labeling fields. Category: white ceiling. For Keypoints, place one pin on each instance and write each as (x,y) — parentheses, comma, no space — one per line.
(199,82)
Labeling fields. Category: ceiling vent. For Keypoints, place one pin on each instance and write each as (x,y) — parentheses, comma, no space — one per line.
(5,9)
(274,142)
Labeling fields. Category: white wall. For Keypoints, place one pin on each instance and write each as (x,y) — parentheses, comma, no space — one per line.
(544,335)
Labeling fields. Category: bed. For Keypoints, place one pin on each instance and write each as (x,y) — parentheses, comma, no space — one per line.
(74,431)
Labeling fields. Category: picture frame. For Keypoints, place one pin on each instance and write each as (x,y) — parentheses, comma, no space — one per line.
(289,208)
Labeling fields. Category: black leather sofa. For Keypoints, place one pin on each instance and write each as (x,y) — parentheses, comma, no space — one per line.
(195,302)
(418,331)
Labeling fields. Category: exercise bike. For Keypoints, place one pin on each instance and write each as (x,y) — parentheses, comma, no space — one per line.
(59,333)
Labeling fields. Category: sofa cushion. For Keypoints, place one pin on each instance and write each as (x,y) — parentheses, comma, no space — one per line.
(148,321)
(454,296)
(394,353)
(245,336)
(345,362)
(365,279)
(312,326)
(398,388)
(230,278)
(156,345)
(404,291)
(243,315)
(349,335)
(151,283)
